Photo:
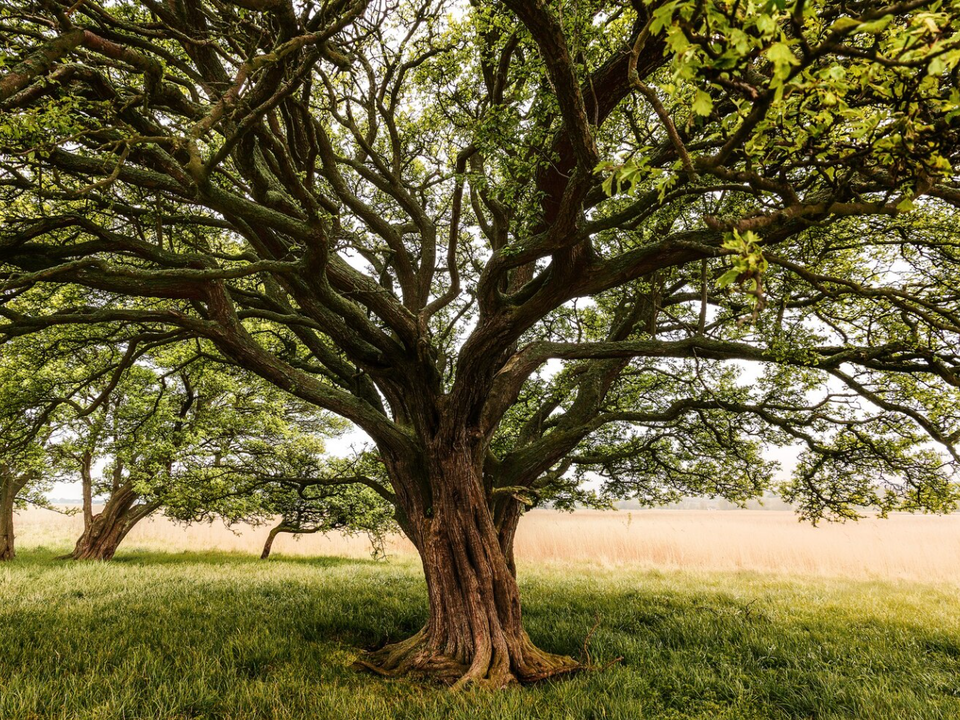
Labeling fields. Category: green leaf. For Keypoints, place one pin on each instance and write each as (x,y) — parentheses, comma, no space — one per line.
(843,24)
(876,26)
(703,103)
(780,54)
(728,277)
(766,24)
(906,205)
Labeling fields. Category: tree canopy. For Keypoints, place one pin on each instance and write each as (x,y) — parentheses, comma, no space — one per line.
(520,244)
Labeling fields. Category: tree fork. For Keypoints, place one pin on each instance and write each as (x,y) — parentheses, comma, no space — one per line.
(110,526)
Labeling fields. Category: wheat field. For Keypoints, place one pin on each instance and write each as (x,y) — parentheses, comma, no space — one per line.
(908,547)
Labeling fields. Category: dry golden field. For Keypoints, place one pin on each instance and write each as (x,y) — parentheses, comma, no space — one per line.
(923,548)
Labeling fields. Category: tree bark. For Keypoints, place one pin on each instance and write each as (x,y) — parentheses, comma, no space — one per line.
(8,491)
(38,63)
(507,516)
(287,528)
(474,633)
(111,525)
(86,481)
(268,545)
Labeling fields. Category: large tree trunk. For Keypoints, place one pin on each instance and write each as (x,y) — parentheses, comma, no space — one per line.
(8,491)
(474,632)
(110,526)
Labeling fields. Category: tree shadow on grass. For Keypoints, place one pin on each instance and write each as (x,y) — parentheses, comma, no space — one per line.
(371,608)
(324,560)
(40,555)
(223,558)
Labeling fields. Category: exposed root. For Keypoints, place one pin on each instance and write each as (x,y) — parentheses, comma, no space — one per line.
(412,656)
(415,656)
(588,663)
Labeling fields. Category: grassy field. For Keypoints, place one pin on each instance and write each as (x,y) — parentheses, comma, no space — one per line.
(218,634)
(908,547)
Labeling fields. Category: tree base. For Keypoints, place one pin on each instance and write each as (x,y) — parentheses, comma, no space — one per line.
(94,554)
(417,657)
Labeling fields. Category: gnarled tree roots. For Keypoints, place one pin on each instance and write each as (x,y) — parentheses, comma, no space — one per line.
(419,656)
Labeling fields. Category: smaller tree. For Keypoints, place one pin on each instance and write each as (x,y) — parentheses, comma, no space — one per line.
(31,410)
(182,434)
(21,484)
(305,509)
(137,438)
(312,493)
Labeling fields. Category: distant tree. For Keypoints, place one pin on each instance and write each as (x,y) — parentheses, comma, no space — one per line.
(290,480)
(311,493)
(21,484)
(42,381)
(20,449)
(306,509)
(520,244)
(181,435)
(136,437)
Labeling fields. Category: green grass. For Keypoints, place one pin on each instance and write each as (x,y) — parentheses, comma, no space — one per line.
(154,635)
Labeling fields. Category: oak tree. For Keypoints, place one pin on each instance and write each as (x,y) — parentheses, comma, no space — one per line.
(526,246)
